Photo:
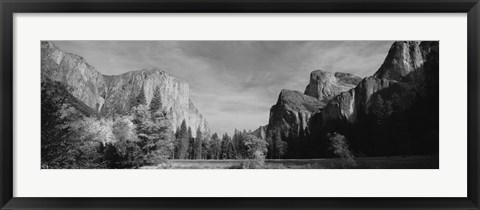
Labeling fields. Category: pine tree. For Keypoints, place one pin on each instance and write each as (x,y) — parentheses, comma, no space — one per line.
(380,129)
(269,140)
(56,142)
(154,134)
(378,107)
(280,146)
(156,102)
(198,144)
(191,144)
(136,100)
(215,147)
(228,151)
(293,144)
(182,140)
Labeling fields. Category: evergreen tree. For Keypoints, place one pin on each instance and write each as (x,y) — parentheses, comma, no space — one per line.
(176,144)
(303,145)
(380,127)
(165,145)
(153,133)
(156,102)
(269,140)
(68,138)
(227,147)
(182,138)
(198,144)
(293,146)
(191,144)
(206,144)
(215,147)
(280,146)
(378,107)
(56,141)
(112,158)
(239,144)
(136,100)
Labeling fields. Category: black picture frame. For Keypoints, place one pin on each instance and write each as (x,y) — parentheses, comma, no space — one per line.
(9,7)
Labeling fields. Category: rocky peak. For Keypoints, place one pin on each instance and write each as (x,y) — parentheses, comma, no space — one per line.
(326,85)
(85,81)
(260,132)
(405,66)
(111,94)
(403,58)
(292,112)
(405,86)
(295,100)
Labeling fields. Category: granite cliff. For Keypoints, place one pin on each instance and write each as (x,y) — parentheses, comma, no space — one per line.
(260,132)
(325,85)
(293,112)
(394,111)
(107,95)
(408,70)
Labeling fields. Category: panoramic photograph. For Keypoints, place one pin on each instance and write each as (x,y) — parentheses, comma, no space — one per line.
(239,104)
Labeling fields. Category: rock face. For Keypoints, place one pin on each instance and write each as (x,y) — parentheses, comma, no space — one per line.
(346,105)
(85,81)
(292,115)
(393,112)
(402,72)
(108,95)
(404,58)
(292,112)
(260,132)
(326,85)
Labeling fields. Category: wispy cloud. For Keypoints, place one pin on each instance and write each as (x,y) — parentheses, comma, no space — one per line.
(234,83)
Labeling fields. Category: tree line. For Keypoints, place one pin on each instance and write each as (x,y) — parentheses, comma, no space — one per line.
(141,136)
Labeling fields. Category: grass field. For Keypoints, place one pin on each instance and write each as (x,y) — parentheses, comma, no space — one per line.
(397,162)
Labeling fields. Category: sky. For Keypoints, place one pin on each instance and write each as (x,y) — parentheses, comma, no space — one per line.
(234,83)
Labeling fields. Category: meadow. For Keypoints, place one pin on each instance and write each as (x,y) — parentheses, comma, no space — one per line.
(393,162)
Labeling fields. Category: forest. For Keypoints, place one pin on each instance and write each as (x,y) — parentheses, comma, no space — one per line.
(142,137)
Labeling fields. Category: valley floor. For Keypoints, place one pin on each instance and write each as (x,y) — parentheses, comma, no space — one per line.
(393,162)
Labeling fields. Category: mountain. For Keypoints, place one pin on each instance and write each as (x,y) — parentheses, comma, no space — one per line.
(108,95)
(326,85)
(393,112)
(410,69)
(292,112)
(346,105)
(405,58)
(260,132)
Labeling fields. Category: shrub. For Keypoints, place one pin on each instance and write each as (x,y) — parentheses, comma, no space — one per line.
(339,146)
(112,158)
(258,162)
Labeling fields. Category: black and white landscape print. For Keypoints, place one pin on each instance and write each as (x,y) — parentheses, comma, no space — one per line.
(239,104)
